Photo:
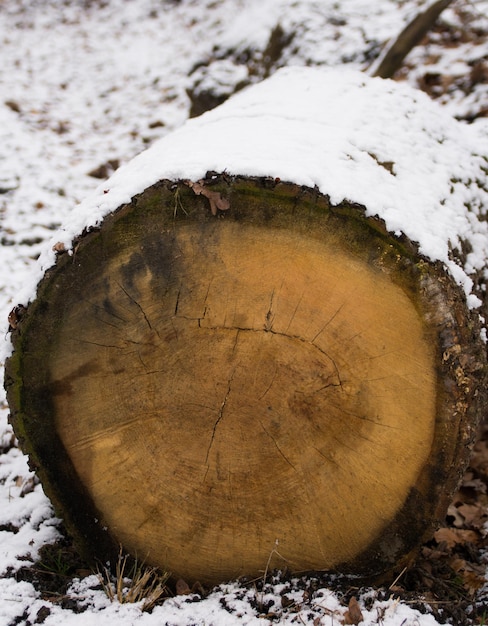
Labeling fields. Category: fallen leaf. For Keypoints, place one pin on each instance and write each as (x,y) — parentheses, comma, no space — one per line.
(457,518)
(59,247)
(353,614)
(15,316)
(105,170)
(182,588)
(453,536)
(474,515)
(13,105)
(286,602)
(217,202)
(472,574)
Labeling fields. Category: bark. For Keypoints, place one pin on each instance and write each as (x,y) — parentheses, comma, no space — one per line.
(230,363)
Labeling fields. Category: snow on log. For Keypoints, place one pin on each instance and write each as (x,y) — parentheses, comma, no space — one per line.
(266,329)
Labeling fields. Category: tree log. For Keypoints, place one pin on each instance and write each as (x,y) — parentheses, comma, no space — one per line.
(197,387)
(220,362)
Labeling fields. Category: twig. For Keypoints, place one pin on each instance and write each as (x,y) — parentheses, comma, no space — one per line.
(397,579)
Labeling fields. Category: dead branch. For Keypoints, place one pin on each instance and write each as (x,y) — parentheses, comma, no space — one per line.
(410,36)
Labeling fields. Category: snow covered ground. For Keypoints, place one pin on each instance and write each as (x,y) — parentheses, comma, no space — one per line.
(91,84)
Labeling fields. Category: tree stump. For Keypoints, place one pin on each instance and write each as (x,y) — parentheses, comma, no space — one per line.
(198,387)
(229,373)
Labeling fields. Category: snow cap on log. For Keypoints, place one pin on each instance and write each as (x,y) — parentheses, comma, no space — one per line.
(371,141)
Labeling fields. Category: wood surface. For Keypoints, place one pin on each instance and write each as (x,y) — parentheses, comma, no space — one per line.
(209,387)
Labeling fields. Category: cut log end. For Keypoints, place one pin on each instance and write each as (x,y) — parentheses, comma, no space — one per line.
(198,387)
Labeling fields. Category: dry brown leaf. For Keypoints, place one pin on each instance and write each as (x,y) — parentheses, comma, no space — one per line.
(476,484)
(15,316)
(474,515)
(59,247)
(458,519)
(182,588)
(28,485)
(353,614)
(473,582)
(286,602)
(217,202)
(472,574)
(453,536)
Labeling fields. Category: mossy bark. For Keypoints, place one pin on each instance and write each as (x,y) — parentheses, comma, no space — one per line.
(196,384)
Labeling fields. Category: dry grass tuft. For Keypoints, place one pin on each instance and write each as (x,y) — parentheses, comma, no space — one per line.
(134,583)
